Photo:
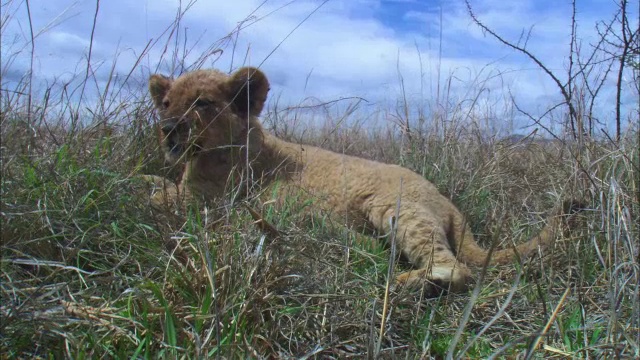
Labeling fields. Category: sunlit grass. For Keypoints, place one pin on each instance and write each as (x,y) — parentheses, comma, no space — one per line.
(90,269)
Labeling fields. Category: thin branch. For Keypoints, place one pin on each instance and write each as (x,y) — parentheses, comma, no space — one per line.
(572,50)
(88,69)
(623,59)
(33,50)
(563,89)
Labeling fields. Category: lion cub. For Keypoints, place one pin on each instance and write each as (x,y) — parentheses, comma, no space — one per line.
(209,122)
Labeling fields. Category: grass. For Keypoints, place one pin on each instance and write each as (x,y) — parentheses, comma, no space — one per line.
(90,270)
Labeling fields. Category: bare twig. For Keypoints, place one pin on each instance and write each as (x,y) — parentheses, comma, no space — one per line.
(563,89)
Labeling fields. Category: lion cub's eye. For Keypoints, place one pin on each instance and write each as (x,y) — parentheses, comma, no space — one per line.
(166,104)
(202,103)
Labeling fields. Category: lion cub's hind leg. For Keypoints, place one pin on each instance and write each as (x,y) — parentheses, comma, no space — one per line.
(435,279)
(423,241)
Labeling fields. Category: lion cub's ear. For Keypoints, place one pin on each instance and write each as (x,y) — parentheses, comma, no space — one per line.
(247,89)
(159,85)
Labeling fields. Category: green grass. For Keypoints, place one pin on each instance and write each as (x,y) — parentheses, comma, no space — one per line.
(89,269)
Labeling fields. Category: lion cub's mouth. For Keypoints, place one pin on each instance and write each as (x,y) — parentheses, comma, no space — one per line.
(174,150)
(177,150)
(174,147)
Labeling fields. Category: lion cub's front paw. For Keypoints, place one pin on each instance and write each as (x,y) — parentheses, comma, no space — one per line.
(163,191)
(435,280)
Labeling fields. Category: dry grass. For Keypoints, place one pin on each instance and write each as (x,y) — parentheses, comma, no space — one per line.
(89,270)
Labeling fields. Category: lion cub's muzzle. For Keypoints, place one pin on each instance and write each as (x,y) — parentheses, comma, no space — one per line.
(174,135)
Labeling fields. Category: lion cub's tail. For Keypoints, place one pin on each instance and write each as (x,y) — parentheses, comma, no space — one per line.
(562,218)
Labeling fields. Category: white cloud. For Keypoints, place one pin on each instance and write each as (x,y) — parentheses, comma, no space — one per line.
(346,48)
(64,42)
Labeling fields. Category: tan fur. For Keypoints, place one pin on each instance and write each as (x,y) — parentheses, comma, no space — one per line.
(210,122)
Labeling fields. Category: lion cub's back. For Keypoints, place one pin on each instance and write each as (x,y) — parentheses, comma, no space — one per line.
(346,181)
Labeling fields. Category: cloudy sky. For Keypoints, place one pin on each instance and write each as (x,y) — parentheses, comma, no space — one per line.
(324,50)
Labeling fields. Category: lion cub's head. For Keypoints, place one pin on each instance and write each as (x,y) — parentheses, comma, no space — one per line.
(206,110)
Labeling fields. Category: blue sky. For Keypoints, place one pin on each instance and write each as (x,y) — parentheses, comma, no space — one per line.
(346,48)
